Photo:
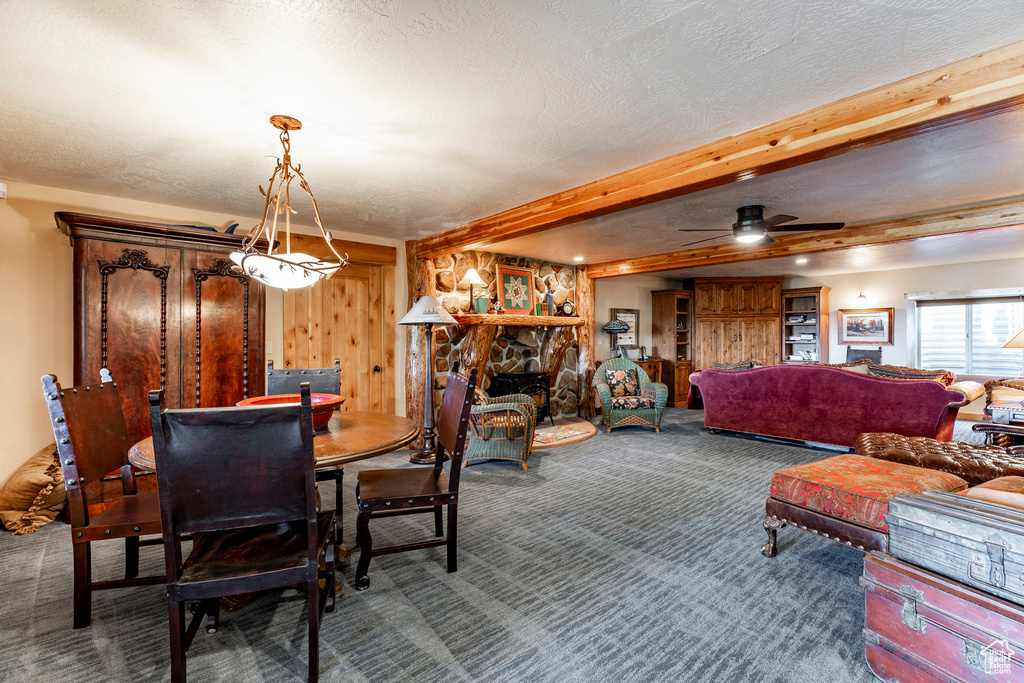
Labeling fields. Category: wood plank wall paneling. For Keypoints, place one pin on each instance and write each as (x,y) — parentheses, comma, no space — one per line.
(586,356)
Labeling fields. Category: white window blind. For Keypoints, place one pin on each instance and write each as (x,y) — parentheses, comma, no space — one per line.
(966,336)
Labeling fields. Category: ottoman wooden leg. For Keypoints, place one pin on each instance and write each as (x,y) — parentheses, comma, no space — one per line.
(771,525)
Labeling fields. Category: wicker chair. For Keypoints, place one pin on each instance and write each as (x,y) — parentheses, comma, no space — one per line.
(502,428)
(624,417)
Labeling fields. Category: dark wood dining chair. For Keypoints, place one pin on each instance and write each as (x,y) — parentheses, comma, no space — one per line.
(418,490)
(288,380)
(92,441)
(321,381)
(240,481)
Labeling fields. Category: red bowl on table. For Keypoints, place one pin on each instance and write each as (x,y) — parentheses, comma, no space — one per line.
(324,405)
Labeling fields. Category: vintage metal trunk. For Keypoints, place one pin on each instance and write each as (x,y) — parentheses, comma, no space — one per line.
(972,541)
(919,626)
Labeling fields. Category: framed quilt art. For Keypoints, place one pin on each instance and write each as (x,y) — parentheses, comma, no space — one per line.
(515,288)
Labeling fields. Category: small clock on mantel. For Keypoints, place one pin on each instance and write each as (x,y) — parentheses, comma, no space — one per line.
(567,308)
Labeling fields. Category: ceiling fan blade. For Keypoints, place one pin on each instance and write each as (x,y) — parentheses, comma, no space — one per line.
(808,226)
(776,220)
(717,237)
(767,239)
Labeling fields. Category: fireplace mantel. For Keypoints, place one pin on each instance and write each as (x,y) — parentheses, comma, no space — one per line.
(518,320)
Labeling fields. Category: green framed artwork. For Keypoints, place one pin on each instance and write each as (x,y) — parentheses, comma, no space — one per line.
(515,288)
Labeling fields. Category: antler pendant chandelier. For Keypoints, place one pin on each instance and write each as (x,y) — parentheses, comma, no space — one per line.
(288,269)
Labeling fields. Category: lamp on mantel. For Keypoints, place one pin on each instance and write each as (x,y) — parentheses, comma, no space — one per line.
(615,328)
(427,313)
(285,270)
(471,278)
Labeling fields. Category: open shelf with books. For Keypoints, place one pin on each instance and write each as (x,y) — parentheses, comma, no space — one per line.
(805,325)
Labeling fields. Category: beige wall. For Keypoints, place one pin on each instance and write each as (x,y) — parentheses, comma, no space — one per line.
(36,302)
(628,291)
(887,288)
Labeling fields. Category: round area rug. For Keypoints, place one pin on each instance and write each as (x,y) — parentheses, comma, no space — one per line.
(564,433)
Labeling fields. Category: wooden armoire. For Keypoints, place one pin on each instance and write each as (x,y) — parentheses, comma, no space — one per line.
(160,306)
(737,319)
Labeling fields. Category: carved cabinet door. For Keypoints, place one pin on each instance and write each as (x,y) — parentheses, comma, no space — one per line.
(126,319)
(222,316)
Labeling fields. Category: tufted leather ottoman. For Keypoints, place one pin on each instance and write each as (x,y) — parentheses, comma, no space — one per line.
(845,498)
(973,463)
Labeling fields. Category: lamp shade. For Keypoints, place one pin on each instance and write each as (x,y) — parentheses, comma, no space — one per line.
(471,278)
(615,327)
(426,311)
(1016,341)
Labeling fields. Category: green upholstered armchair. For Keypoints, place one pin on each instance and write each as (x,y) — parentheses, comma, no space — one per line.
(645,408)
(502,428)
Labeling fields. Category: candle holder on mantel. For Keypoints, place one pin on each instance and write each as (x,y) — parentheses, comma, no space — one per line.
(426,312)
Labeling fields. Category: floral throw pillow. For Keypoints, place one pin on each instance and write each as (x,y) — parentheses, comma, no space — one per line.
(623,382)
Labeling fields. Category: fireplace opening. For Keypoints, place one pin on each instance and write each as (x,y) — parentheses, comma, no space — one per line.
(533,384)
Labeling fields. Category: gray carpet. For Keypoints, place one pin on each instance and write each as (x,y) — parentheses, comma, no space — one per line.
(629,557)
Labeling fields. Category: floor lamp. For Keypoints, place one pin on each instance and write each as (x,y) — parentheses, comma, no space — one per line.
(427,313)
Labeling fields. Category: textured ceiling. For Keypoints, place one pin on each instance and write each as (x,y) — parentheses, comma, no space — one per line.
(420,115)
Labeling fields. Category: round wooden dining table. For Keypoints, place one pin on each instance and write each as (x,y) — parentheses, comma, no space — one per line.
(350,435)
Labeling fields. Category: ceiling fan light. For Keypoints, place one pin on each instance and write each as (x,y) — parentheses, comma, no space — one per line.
(750,236)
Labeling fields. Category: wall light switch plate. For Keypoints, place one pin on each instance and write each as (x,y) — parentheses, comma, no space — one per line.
(3,190)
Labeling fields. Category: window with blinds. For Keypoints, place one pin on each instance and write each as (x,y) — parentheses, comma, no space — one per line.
(966,336)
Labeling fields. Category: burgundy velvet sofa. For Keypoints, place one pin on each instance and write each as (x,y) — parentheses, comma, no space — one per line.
(824,404)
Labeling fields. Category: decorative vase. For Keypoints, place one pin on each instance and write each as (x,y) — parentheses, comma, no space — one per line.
(480,305)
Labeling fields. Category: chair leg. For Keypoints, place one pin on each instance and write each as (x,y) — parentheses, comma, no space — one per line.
(313,612)
(365,549)
(131,557)
(438,522)
(82,553)
(176,612)
(453,560)
(524,465)
(339,533)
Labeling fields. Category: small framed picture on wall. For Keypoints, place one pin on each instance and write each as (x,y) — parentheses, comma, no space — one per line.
(630,316)
(871,326)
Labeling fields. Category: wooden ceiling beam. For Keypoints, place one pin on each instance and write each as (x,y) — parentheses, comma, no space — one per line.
(972,88)
(1001,214)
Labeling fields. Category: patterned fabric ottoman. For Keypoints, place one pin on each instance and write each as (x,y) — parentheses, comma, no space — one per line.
(845,498)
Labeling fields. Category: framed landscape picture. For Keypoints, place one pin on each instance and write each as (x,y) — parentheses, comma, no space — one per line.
(866,326)
(515,288)
(630,316)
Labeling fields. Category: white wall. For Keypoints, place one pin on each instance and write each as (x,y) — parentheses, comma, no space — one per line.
(628,291)
(36,282)
(887,288)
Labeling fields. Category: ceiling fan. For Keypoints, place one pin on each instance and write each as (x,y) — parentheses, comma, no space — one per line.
(752,226)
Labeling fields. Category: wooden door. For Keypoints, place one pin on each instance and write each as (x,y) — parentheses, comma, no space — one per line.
(768,340)
(769,298)
(726,299)
(222,363)
(704,353)
(726,344)
(746,298)
(704,299)
(343,317)
(746,340)
(127,312)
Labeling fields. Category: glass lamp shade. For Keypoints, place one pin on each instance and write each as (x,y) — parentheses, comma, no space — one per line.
(285,271)
(1016,341)
(615,327)
(426,311)
(749,235)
